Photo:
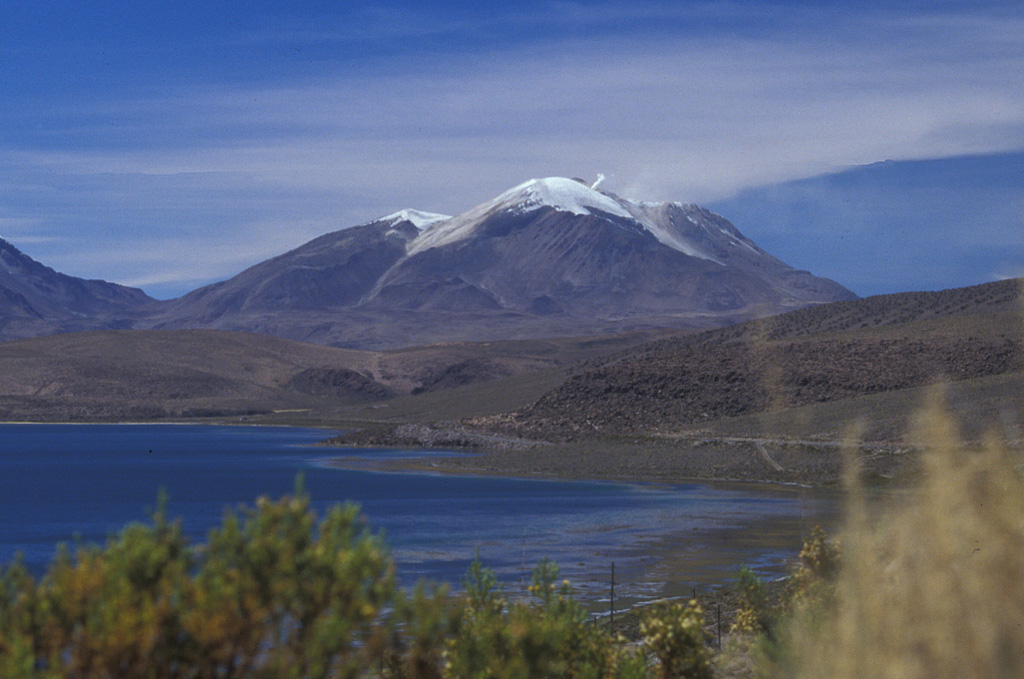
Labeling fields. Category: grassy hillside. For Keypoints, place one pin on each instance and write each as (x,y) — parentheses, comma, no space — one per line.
(149,374)
(141,375)
(803,375)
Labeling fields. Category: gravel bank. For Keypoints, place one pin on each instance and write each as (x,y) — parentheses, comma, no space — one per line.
(633,459)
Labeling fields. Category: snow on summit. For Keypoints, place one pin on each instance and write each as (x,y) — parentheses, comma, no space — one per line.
(661,220)
(565,195)
(417,218)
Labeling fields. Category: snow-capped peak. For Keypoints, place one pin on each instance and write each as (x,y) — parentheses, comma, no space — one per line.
(559,193)
(421,220)
(664,221)
(564,195)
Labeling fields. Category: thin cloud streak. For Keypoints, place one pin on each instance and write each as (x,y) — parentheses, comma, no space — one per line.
(814,105)
(377,24)
(691,117)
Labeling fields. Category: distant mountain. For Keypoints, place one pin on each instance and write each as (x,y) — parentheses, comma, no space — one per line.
(548,257)
(915,224)
(36,300)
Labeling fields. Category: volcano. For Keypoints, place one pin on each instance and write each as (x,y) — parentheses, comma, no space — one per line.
(549,257)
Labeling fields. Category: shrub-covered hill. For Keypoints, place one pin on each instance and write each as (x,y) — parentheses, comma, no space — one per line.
(822,354)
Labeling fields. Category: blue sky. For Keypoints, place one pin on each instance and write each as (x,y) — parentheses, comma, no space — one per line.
(167,145)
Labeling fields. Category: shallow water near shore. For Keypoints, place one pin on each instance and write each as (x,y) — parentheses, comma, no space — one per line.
(67,483)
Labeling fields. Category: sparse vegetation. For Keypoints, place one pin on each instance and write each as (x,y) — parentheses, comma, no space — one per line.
(272,593)
(755,615)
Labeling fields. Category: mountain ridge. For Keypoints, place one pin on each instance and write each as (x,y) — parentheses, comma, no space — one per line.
(37,300)
(549,257)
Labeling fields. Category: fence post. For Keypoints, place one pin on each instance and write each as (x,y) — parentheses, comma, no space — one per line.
(612,602)
(719,627)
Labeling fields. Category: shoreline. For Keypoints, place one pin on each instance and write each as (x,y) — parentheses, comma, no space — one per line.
(665,459)
(705,554)
(702,559)
(711,578)
(160,423)
(436,466)
(791,464)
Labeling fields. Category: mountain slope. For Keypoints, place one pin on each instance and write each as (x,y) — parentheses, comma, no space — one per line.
(824,354)
(36,300)
(914,224)
(549,257)
(334,270)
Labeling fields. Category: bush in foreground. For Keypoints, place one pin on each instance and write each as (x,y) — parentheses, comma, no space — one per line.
(277,593)
(273,593)
(676,636)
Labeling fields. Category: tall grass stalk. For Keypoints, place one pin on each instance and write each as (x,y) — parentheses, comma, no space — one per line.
(936,588)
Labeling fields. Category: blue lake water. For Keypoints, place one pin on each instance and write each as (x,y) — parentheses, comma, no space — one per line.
(84,482)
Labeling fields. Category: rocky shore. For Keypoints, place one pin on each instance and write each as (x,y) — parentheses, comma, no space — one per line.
(437,435)
(657,459)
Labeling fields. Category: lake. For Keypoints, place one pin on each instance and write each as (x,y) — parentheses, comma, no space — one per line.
(62,483)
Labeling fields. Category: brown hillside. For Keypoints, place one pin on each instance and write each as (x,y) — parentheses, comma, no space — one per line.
(1002,299)
(148,374)
(822,354)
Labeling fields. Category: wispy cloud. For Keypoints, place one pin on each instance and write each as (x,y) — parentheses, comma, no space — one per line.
(721,97)
(743,110)
(379,23)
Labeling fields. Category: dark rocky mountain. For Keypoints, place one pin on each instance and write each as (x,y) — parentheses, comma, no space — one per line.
(36,300)
(332,271)
(828,353)
(549,257)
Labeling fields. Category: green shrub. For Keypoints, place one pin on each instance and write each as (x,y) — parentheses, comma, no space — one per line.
(274,593)
(813,581)
(428,619)
(547,636)
(755,614)
(115,611)
(675,635)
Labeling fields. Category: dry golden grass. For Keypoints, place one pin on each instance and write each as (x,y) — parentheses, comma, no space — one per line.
(935,588)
